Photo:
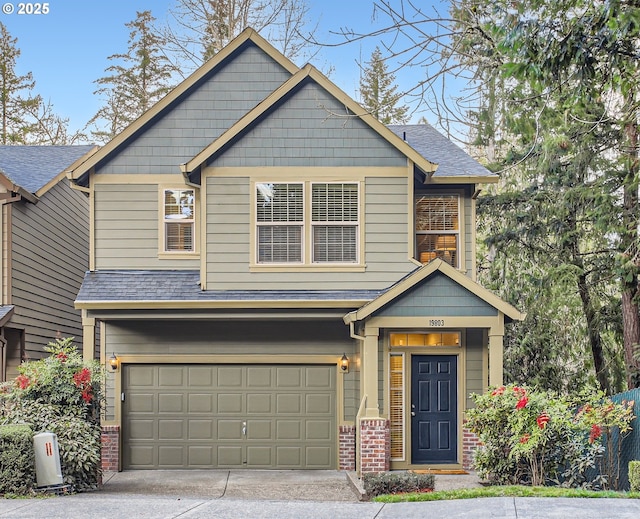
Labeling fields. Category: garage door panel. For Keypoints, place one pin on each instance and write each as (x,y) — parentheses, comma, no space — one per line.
(230,403)
(259,430)
(259,376)
(170,429)
(141,429)
(196,419)
(318,430)
(288,403)
(318,404)
(200,429)
(230,376)
(171,456)
(200,376)
(259,456)
(288,430)
(171,376)
(142,456)
(141,402)
(289,376)
(230,456)
(318,457)
(259,403)
(318,377)
(201,456)
(229,429)
(171,403)
(201,403)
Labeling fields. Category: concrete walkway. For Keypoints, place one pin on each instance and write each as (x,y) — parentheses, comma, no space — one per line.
(303,494)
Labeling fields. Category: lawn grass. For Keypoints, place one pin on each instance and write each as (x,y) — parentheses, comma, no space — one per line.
(504,491)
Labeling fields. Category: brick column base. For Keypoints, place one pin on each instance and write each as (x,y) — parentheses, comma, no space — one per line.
(347,447)
(110,451)
(375,445)
(470,442)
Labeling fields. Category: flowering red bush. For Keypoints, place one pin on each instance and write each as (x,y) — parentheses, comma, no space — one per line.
(538,437)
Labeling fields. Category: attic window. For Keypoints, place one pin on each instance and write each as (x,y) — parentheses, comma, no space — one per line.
(437,228)
(179,220)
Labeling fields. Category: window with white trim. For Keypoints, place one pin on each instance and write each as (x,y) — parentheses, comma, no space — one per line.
(179,220)
(305,222)
(280,217)
(334,220)
(437,220)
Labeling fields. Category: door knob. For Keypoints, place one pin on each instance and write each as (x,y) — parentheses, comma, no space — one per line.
(412,413)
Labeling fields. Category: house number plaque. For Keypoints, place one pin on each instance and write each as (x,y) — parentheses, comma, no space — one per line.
(436,322)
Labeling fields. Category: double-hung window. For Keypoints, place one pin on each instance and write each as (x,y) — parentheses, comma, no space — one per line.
(280,217)
(307,223)
(334,220)
(179,220)
(437,228)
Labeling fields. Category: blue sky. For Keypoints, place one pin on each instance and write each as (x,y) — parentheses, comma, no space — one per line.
(67,49)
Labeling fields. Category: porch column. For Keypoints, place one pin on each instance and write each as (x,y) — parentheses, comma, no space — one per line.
(496,352)
(88,337)
(369,371)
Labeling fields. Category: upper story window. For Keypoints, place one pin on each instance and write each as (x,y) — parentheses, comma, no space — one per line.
(334,217)
(179,220)
(437,228)
(292,230)
(280,215)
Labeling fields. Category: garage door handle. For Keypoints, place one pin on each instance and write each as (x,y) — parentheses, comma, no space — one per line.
(244,428)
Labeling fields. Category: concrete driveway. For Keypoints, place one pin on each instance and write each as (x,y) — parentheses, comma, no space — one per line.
(283,495)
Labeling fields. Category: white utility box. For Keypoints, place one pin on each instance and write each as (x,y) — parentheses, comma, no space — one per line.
(48,471)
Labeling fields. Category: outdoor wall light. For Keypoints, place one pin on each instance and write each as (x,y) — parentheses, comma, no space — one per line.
(113,362)
(344,363)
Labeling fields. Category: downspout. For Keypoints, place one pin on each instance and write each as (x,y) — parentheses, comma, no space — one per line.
(3,357)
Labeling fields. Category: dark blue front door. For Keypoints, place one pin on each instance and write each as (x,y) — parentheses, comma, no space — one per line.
(434,409)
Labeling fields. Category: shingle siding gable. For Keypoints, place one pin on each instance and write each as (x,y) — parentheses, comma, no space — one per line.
(309,128)
(438,296)
(201,116)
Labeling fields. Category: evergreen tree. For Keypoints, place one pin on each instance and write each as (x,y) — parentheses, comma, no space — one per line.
(378,92)
(14,105)
(136,80)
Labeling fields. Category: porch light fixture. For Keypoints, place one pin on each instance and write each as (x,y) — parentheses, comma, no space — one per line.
(113,362)
(344,363)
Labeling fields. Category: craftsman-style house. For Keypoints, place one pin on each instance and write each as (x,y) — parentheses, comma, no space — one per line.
(45,251)
(281,281)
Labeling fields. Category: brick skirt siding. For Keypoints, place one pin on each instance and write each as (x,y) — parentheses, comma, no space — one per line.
(375,445)
(347,447)
(110,448)
(470,442)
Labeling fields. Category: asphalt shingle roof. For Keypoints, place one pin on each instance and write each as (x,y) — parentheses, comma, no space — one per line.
(183,285)
(452,160)
(32,167)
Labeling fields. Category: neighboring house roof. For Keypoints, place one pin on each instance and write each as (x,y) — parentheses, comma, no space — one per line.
(6,311)
(452,161)
(33,168)
(154,288)
(422,273)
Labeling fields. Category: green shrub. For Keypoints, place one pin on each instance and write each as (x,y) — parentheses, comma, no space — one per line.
(17,460)
(378,483)
(61,394)
(634,476)
(539,438)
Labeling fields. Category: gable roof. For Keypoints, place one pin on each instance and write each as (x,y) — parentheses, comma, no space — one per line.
(308,72)
(34,169)
(174,95)
(453,162)
(421,274)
